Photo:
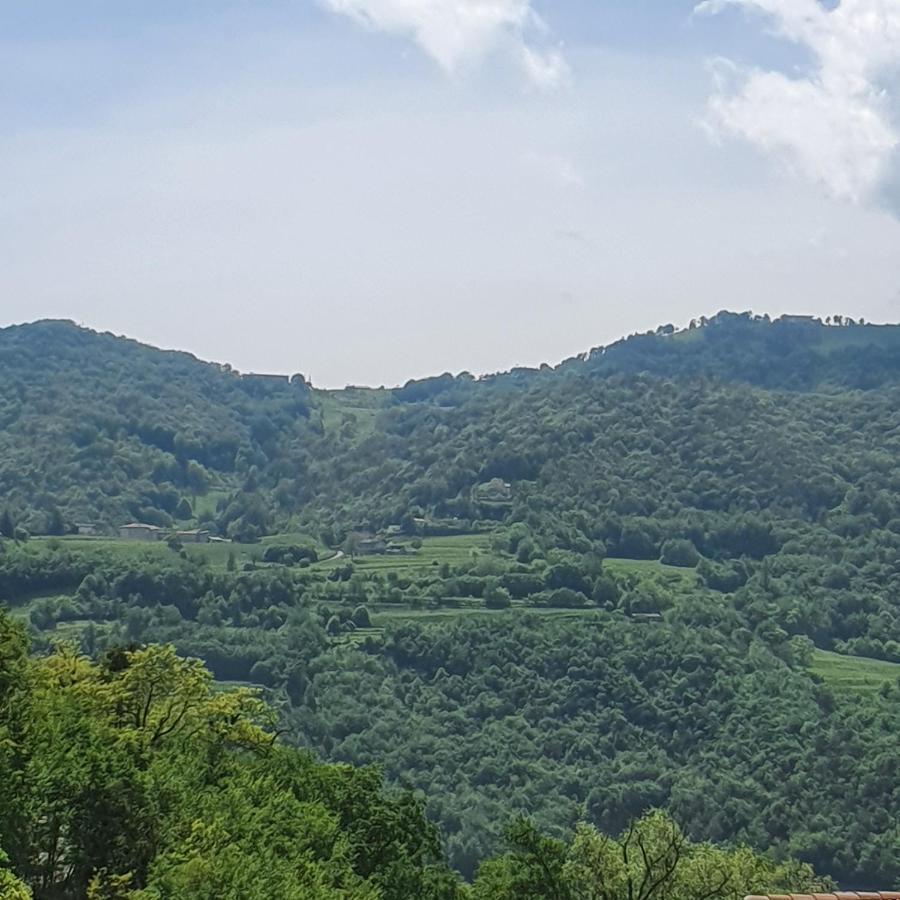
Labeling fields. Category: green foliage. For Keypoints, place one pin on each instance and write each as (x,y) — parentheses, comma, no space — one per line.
(100,429)
(289,554)
(11,888)
(698,517)
(602,718)
(679,552)
(651,859)
(134,778)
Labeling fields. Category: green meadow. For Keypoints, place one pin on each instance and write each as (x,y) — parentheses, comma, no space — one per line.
(854,673)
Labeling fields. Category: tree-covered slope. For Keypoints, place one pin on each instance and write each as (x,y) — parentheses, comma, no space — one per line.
(794,352)
(758,460)
(684,462)
(132,777)
(103,429)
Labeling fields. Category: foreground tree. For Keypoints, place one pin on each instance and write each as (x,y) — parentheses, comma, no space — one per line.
(137,778)
(651,860)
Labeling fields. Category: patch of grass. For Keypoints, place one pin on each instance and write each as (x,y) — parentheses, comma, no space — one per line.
(294,538)
(205,506)
(216,554)
(650,567)
(451,550)
(855,674)
(385,615)
(352,408)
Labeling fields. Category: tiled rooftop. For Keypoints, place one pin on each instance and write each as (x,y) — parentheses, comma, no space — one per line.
(838,895)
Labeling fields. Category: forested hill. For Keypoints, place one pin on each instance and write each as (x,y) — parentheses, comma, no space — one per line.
(791,353)
(797,353)
(102,429)
(643,579)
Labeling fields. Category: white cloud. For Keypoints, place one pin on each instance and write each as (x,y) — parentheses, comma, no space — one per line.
(834,122)
(457,32)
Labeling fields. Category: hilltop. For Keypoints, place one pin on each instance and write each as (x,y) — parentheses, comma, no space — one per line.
(98,428)
(103,429)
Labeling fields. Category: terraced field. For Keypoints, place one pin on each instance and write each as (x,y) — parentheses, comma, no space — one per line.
(853,673)
(433,552)
(384,616)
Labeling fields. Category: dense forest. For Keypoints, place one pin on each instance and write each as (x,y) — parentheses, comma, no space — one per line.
(611,587)
(664,445)
(133,778)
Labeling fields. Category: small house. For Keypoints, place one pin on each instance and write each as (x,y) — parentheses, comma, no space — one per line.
(138,531)
(86,528)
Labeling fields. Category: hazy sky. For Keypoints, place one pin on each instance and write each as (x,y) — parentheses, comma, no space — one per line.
(371,190)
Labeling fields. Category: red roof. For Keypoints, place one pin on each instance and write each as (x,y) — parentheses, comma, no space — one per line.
(838,895)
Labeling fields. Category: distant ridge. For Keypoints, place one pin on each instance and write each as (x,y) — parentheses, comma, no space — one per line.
(100,428)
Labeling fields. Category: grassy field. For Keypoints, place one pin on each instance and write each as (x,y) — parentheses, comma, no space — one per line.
(384,616)
(205,506)
(853,673)
(137,551)
(434,551)
(453,550)
(357,407)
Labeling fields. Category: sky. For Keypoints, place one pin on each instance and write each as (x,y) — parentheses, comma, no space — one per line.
(368,191)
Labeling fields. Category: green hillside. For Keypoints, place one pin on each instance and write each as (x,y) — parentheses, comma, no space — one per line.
(101,429)
(660,575)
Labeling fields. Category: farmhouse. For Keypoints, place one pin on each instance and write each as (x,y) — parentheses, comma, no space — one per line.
(85,528)
(138,531)
(798,320)
(262,378)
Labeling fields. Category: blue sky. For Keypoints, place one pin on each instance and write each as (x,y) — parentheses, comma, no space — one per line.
(372,190)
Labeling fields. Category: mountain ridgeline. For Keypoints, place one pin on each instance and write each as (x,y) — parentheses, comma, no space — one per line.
(103,429)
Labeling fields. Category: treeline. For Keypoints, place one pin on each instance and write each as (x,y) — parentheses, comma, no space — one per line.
(131,778)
